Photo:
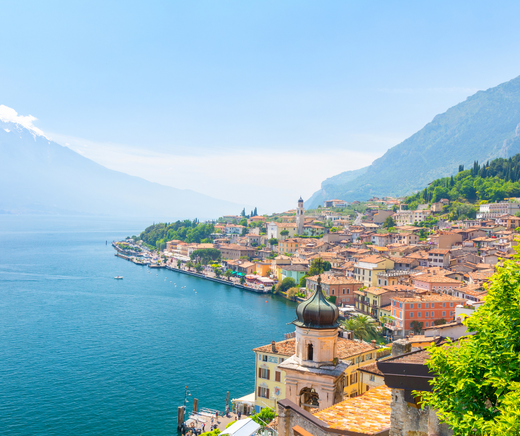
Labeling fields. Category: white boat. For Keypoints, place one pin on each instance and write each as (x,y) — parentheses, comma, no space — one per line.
(118,277)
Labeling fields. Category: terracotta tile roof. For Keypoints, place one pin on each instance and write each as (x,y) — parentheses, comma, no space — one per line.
(346,348)
(367,414)
(435,279)
(328,279)
(481,275)
(372,259)
(371,368)
(427,297)
(439,251)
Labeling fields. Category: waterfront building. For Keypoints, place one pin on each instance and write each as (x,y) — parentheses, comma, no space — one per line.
(269,379)
(296,272)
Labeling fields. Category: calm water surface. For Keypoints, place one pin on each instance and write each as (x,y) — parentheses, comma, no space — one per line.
(84,354)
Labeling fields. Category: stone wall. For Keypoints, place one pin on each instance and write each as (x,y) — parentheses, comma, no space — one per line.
(409,420)
(288,418)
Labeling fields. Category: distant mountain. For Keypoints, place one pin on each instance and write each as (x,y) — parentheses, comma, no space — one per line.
(484,127)
(39,176)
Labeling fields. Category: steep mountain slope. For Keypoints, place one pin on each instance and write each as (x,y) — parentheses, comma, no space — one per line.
(40,176)
(485,126)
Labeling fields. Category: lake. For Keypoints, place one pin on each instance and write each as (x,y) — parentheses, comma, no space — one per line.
(84,354)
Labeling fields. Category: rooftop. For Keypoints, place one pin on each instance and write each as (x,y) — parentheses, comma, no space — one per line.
(367,414)
(427,297)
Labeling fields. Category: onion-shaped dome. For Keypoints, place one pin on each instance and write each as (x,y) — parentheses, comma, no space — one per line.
(317,312)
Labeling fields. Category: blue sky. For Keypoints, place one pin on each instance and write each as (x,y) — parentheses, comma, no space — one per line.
(247,96)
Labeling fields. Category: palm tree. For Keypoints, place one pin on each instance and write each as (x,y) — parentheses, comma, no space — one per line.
(199,268)
(189,264)
(361,327)
(179,264)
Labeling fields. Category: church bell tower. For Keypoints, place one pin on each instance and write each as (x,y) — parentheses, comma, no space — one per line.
(314,375)
(300,217)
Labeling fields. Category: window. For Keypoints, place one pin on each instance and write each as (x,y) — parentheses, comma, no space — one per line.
(263,392)
(433,315)
(343,291)
(264,373)
(411,314)
(418,314)
(353,378)
(451,304)
(433,305)
(280,359)
(372,378)
(278,376)
(426,305)
(411,306)
(443,304)
(427,324)
(260,357)
(426,314)
(443,313)
(418,305)
(264,357)
(333,292)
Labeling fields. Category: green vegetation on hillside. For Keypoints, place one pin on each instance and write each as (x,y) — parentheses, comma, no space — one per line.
(157,235)
(492,182)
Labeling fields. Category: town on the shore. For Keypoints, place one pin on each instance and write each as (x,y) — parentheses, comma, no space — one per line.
(375,284)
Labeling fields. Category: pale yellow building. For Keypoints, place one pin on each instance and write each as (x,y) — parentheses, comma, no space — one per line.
(269,380)
(367,269)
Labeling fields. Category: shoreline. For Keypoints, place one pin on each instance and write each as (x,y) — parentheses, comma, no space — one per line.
(193,274)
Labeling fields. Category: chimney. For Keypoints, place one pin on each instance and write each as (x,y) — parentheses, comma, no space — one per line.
(401,346)
(273,346)
(373,342)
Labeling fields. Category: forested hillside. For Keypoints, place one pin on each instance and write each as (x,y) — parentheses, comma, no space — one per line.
(157,235)
(494,181)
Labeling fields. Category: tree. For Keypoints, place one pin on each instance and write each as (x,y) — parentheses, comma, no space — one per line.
(255,212)
(243,213)
(228,274)
(389,222)
(243,222)
(206,255)
(217,272)
(327,266)
(416,326)
(199,268)
(362,327)
(284,232)
(317,267)
(242,280)
(273,241)
(303,281)
(265,416)
(189,264)
(179,263)
(439,321)
(477,385)
(291,292)
(286,284)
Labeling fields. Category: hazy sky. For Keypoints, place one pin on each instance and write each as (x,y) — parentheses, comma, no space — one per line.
(257,101)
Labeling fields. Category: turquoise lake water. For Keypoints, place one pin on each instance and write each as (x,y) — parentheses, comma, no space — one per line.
(84,354)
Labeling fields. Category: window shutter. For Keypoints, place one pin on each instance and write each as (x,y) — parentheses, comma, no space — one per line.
(259,372)
(259,391)
(267,396)
(268,374)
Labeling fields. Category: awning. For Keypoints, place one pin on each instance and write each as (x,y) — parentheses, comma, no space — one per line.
(244,427)
(250,399)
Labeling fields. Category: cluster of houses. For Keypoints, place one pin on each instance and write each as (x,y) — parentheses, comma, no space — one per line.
(415,284)
(323,381)
(405,282)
